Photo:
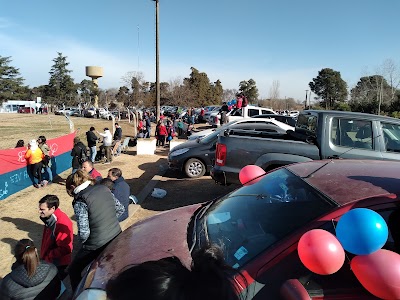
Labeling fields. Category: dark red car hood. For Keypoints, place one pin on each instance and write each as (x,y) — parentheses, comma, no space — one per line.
(162,235)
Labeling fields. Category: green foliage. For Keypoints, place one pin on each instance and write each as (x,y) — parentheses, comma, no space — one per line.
(11,87)
(329,86)
(395,114)
(249,89)
(61,88)
(88,90)
(343,106)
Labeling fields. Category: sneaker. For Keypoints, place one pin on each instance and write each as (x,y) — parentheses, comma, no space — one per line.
(44,183)
(36,185)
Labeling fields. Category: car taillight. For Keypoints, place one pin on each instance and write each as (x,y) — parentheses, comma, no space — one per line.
(220,155)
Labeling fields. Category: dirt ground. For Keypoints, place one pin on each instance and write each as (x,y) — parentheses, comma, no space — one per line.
(19,213)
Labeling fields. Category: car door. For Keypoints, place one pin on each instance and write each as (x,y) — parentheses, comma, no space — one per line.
(390,140)
(347,137)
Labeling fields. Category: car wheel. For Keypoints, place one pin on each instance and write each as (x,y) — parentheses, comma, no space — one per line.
(194,168)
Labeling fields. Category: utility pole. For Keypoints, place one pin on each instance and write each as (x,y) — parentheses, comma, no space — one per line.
(157,66)
(305,104)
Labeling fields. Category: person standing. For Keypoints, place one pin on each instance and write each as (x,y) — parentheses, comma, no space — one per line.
(162,133)
(117,140)
(46,160)
(92,138)
(121,190)
(34,157)
(78,154)
(95,213)
(30,278)
(148,125)
(57,234)
(107,142)
(223,111)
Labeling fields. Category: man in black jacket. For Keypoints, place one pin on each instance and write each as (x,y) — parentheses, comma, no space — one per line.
(79,154)
(92,140)
(117,140)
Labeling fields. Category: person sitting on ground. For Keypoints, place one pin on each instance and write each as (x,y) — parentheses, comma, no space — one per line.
(119,208)
(122,190)
(168,279)
(57,236)
(30,278)
(88,167)
(20,144)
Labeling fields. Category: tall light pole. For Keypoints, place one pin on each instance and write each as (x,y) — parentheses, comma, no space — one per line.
(157,66)
(305,104)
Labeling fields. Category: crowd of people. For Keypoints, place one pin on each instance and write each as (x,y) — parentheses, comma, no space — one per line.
(99,205)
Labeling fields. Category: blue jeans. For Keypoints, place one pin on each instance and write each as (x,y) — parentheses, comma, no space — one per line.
(49,174)
(148,133)
(93,152)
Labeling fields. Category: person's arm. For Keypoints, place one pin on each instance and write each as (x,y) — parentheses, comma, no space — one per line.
(119,208)
(63,242)
(82,220)
(102,134)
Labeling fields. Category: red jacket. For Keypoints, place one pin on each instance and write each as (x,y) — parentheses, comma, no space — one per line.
(95,175)
(57,246)
(162,130)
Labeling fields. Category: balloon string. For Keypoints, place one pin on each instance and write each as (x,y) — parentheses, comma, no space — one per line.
(345,253)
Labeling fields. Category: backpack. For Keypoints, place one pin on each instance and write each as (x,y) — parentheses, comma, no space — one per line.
(83,156)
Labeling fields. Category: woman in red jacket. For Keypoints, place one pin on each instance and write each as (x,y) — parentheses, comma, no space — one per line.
(162,133)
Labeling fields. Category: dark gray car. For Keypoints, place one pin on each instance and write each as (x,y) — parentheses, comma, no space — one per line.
(196,157)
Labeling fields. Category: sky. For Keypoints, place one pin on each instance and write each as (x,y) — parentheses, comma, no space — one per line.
(287,41)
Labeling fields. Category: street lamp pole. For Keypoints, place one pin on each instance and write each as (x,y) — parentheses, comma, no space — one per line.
(157,66)
(305,104)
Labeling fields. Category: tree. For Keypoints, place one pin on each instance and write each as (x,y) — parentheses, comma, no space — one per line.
(88,90)
(228,95)
(367,95)
(11,87)
(274,90)
(329,86)
(199,84)
(61,87)
(249,89)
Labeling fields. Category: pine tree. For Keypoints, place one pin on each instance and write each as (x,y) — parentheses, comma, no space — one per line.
(11,83)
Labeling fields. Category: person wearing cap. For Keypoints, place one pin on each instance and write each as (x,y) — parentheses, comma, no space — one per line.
(107,142)
(34,156)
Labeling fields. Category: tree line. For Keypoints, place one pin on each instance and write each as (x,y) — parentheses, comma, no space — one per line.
(378,93)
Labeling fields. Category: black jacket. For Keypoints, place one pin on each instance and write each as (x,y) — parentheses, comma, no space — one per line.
(91,138)
(118,134)
(45,284)
(76,154)
(103,222)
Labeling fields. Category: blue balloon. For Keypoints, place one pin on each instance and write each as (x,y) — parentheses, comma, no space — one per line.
(233,101)
(229,103)
(362,231)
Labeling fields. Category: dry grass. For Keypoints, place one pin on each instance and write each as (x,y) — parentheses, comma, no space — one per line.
(14,127)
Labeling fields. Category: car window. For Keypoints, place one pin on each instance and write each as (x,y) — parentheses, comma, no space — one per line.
(255,217)
(253,112)
(352,133)
(391,134)
(307,122)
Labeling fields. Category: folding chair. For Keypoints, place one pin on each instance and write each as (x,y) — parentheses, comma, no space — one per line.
(125,145)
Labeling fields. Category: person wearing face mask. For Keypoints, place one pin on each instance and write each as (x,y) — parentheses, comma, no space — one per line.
(57,234)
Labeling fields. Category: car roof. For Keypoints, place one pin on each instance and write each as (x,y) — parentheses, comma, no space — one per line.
(346,181)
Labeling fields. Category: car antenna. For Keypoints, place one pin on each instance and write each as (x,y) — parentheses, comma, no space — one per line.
(331,158)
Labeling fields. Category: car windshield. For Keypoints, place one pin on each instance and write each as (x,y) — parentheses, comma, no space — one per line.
(206,139)
(255,217)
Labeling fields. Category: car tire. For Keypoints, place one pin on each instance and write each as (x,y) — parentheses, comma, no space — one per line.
(195,168)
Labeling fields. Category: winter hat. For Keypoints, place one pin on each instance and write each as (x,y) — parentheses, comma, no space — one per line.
(33,145)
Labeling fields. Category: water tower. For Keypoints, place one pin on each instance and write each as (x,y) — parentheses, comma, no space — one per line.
(95,73)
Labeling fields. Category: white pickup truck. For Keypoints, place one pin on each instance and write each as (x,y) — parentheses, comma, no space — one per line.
(238,114)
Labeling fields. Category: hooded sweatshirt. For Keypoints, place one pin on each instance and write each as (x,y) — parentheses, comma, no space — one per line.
(107,137)
(33,155)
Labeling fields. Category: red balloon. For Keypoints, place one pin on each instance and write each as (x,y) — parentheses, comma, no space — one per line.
(321,252)
(379,273)
(250,172)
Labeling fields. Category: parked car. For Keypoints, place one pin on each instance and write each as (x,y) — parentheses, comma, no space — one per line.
(319,134)
(238,114)
(259,227)
(196,157)
(67,111)
(26,110)
(284,119)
